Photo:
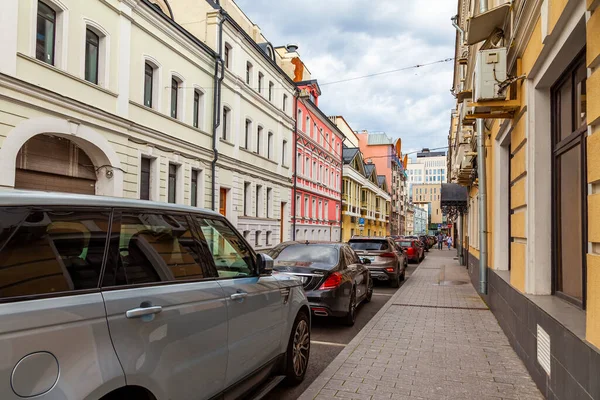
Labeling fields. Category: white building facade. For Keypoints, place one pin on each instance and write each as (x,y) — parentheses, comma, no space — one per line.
(428,168)
(115,97)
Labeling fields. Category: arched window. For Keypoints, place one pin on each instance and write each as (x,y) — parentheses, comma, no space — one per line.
(227,54)
(270,146)
(226,123)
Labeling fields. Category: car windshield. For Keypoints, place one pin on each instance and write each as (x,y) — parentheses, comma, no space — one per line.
(369,245)
(404,244)
(317,254)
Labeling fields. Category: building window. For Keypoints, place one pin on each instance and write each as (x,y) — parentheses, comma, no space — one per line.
(259,139)
(306,166)
(306,213)
(269,203)
(194,188)
(299,120)
(172,189)
(260,81)
(314,171)
(298,206)
(284,154)
(320,210)
(269,234)
(247,132)
(227,55)
(314,209)
(92,52)
(198,108)
(307,128)
(226,122)
(284,104)
(46,33)
(174,96)
(151,85)
(258,204)
(569,131)
(271,91)
(257,239)
(270,145)
(145,179)
(248,73)
(246,199)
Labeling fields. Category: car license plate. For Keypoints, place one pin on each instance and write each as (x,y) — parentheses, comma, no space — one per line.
(370,258)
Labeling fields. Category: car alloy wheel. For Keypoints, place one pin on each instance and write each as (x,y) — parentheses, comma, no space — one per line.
(351,316)
(301,348)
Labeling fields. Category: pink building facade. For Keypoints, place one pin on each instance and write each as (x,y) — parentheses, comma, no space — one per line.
(386,154)
(317,198)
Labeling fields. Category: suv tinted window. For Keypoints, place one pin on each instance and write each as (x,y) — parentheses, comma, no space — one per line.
(44,251)
(232,257)
(369,245)
(152,247)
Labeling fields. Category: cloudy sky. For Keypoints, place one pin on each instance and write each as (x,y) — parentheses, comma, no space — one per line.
(340,39)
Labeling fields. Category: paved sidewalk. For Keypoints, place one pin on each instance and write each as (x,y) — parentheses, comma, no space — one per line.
(429,341)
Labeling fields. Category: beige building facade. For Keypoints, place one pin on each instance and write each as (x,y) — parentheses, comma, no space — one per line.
(122,92)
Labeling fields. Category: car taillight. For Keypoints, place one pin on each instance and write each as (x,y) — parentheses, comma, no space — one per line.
(388,255)
(390,269)
(410,251)
(334,280)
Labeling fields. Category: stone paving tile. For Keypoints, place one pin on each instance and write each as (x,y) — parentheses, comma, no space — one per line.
(429,342)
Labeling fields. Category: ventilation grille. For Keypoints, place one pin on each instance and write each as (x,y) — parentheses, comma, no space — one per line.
(543,349)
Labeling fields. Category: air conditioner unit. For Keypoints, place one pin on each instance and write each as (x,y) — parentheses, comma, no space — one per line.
(490,72)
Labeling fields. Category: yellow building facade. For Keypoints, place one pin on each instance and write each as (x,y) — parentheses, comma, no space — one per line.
(366,202)
(540,127)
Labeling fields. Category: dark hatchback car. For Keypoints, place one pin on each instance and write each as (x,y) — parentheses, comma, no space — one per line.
(335,280)
(386,261)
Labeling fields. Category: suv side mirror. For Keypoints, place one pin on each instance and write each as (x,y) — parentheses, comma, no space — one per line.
(264,263)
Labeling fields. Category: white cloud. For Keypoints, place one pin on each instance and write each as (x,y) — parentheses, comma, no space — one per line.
(342,39)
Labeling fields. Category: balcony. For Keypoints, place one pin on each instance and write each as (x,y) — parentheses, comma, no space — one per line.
(345,198)
(364,204)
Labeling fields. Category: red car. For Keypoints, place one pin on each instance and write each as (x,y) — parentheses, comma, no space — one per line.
(414,249)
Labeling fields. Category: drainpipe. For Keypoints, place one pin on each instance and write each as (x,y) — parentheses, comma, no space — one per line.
(459,29)
(217,108)
(483,7)
(295,161)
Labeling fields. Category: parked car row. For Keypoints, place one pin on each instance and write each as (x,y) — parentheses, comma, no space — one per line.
(337,277)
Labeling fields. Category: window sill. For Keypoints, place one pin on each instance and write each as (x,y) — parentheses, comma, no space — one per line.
(68,75)
(226,142)
(258,155)
(568,315)
(156,112)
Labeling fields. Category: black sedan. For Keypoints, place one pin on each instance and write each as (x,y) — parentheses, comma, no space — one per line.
(334,278)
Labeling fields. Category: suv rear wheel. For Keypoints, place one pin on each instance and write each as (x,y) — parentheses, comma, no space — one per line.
(298,350)
(395,282)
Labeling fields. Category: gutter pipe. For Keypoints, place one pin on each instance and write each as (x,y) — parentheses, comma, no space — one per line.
(483,247)
(460,30)
(217,109)
(295,161)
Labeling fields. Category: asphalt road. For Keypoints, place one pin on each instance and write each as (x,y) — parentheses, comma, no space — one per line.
(329,337)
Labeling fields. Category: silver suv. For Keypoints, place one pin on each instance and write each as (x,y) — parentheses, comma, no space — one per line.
(105,298)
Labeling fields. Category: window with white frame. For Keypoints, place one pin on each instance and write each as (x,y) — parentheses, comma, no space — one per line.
(176,97)
(320,210)
(226,123)
(247,188)
(228,53)
(307,166)
(49,32)
(271,86)
(298,205)
(269,203)
(249,73)
(314,208)
(326,211)
(270,145)
(198,119)
(284,103)
(247,133)
(261,78)
(259,202)
(257,239)
(259,134)
(306,213)
(151,84)
(284,153)
(268,238)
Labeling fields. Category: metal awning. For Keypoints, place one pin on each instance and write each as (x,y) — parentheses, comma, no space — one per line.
(481,26)
(454,198)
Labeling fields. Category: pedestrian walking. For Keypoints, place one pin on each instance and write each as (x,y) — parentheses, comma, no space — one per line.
(449,242)
(440,239)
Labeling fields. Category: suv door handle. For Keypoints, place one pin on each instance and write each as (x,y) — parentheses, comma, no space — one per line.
(239,296)
(142,311)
